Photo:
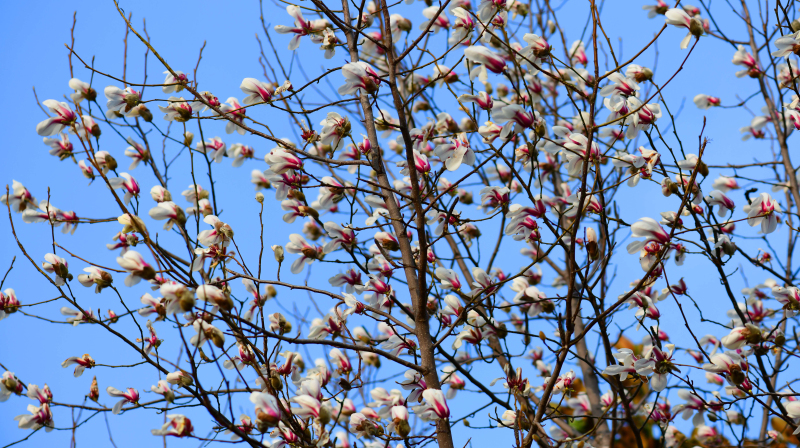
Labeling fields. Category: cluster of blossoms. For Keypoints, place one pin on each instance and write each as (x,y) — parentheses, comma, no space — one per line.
(392,197)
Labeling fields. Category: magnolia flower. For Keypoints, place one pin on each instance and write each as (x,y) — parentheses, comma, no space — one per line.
(19,199)
(41,417)
(63,117)
(648,229)
(487,60)
(448,278)
(137,268)
(171,212)
(131,395)
(83,91)
(724,203)
(180,110)
(220,235)
(58,266)
(741,336)
(10,384)
(787,45)
(177,426)
(215,148)
(298,245)
(122,101)
(77,317)
(267,411)
(763,210)
(359,75)
(679,18)
(455,152)
(302,27)
(127,183)
(335,128)
(83,362)
(235,114)
(704,102)
(281,161)
(256,91)
(435,406)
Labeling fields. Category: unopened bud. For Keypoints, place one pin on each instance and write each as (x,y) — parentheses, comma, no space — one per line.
(260,197)
(271,292)
(145,113)
(278,250)
(696,27)
(795,25)
(188,137)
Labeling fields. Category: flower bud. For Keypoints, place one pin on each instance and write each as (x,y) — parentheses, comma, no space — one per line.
(278,250)
(591,244)
(404,24)
(271,292)
(260,197)
(795,25)
(696,27)
(94,391)
(186,301)
(111,162)
(402,428)
(145,113)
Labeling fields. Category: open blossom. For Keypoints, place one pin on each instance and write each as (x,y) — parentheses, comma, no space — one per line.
(484,59)
(58,266)
(221,234)
(335,129)
(137,268)
(130,395)
(435,406)
(19,198)
(448,278)
(60,147)
(703,101)
(235,114)
(455,151)
(359,75)
(256,91)
(679,18)
(302,27)
(298,245)
(83,362)
(127,183)
(763,210)
(122,101)
(787,45)
(180,110)
(41,417)
(177,426)
(63,117)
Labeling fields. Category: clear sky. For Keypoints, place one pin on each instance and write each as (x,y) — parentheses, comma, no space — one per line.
(33,54)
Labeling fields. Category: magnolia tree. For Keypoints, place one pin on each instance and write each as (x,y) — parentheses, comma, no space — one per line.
(462,185)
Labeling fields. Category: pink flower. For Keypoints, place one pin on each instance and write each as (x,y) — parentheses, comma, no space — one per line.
(58,266)
(482,99)
(40,417)
(60,148)
(448,278)
(763,210)
(680,19)
(487,60)
(64,117)
(302,27)
(137,268)
(131,395)
(83,91)
(435,406)
(704,102)
(267,410)
(359,75)
(648,229)
(724,203)
(787,45)
(180,110)
(256,91)
(351,279)
(298,245)
(176,81)
(83,362)
(122,101)
(280,161)
(127,183)
(236,113)
(339,237)
(177,426)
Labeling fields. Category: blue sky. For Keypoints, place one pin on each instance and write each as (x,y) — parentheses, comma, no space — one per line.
(36,56)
